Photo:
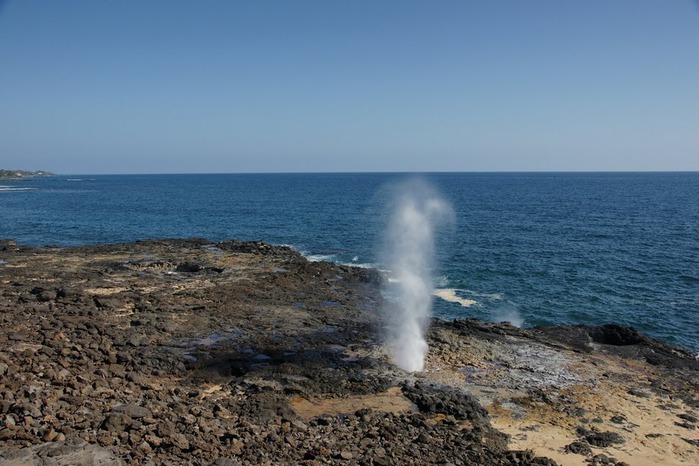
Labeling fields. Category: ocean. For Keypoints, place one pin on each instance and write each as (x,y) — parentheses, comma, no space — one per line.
(531,248)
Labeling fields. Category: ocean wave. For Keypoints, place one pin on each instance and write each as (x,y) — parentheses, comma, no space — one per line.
(449,294)
(12,188)
(320,257)
(361,265)
(335,259)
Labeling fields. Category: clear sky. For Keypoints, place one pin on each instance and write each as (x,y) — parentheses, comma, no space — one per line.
(327,85)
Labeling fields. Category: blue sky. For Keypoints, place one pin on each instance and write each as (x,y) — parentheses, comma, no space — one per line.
(307,86)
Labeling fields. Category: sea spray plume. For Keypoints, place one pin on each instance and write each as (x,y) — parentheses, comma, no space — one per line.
(508,313)
(416,211)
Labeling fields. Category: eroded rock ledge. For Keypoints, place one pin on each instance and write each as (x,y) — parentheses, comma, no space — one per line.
(194,352)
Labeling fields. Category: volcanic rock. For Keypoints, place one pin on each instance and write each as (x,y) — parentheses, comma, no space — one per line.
(195,352)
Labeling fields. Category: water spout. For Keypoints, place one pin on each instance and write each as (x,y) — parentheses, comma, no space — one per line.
(409,242)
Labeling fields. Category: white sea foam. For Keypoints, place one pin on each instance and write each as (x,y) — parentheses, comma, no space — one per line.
(334,258)
(449,294)
(14,188)
(320,257)
(361,265)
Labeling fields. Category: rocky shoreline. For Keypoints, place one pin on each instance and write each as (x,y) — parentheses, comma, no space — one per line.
(194,352)
(22,175)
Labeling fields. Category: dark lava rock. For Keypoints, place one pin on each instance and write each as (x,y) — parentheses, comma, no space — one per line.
(616,335)
(188,267)
(616,339)
(526,457)
(686,425)
(433,400)
(604,460)
(638,393)
(43,295)
(600,439)
(103,356)
(688,417)
(579,448)
(258,247)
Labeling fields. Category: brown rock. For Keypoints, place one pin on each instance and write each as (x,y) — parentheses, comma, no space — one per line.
(117,422)
(180,441)
(143,448)
(132,410)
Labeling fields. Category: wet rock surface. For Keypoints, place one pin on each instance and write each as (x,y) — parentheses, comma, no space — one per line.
(193,352)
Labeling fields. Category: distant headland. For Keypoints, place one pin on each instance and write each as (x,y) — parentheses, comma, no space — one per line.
(21,175)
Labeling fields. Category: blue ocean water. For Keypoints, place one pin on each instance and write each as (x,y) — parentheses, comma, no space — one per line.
(533,248)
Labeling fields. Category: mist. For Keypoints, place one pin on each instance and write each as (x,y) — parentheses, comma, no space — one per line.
(416,211)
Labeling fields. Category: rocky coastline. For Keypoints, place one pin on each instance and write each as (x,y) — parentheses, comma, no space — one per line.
(242,353)
(21,175)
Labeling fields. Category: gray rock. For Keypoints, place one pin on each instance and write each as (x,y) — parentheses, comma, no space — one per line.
(134,411)
(29,409)
(77,452)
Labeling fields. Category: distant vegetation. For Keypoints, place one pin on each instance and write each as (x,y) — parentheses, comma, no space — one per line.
(14,175)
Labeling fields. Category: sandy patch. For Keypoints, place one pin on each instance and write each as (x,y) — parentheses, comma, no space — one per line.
(391,401)
(573,391)
(652,437)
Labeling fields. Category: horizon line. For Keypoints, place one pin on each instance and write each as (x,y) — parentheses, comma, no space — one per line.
(381,172)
